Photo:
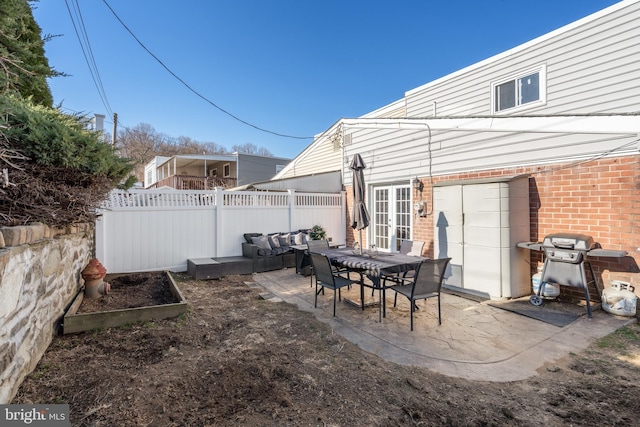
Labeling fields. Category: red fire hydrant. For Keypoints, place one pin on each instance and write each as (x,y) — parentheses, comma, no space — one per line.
(93,275)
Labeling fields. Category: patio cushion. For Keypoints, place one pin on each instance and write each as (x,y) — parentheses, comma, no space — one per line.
(248,236)
(272,252)
(300,239)
(285,239)
(262,242)
(280,250)
(273,241)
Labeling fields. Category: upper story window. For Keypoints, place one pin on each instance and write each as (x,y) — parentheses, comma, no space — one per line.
(525,89)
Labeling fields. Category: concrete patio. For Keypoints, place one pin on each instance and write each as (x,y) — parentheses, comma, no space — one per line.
(475,341)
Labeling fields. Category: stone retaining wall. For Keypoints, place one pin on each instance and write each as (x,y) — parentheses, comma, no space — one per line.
(39,276)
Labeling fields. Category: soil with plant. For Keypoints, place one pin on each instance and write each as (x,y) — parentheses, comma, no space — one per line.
(237,359)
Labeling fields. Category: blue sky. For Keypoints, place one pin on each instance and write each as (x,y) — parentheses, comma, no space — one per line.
(291,67)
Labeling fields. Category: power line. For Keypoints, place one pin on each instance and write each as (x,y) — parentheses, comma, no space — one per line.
(91,56)
(198,94)
(83,39)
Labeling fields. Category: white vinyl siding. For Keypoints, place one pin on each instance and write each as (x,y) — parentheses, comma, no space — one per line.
(399,155)
(395,109)
(318,158)
(584,71)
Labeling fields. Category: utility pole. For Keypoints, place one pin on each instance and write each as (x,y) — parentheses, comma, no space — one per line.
(115,129)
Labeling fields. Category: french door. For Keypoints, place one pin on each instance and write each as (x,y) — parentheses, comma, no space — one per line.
(391,216)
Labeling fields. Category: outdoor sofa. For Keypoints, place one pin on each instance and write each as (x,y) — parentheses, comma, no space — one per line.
(273,251)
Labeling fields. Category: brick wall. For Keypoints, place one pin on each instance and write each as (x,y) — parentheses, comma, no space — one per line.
(600,198)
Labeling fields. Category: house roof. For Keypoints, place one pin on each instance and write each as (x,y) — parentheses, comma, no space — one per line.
(184,160)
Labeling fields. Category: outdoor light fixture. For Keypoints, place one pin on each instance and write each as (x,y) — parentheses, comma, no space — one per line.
(418,185)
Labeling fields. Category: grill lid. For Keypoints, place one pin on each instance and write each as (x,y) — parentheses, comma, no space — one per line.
(571,241)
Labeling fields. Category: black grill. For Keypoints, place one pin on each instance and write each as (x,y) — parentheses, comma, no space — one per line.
(567,247)
(566,255)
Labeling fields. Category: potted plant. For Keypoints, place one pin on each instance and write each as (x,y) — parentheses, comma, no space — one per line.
(317,233)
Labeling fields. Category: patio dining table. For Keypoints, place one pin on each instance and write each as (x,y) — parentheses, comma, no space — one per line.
(375,268)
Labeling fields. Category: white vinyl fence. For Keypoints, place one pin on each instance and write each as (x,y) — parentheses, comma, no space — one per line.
(151,230)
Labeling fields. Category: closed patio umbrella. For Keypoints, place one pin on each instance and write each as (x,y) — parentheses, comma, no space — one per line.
(360,218)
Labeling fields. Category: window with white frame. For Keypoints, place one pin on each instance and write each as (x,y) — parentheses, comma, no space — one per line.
(226,170)
(525,89)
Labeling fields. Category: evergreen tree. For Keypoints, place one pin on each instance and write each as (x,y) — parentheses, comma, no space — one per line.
(53,169)
(24,67)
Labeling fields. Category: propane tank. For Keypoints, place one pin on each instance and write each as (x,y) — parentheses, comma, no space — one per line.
(619,299)
(550,291)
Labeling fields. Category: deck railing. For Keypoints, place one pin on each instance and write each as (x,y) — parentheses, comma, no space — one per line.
(192,182)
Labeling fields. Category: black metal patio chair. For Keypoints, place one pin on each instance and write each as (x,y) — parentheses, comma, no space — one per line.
(327,277)
(407,247)
(426,283)
(320,246)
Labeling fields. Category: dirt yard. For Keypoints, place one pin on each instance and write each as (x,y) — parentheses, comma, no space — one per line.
(236,359)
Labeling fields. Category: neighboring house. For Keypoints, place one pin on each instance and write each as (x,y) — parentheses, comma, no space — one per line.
(326,182)
(539,139)
(206,171)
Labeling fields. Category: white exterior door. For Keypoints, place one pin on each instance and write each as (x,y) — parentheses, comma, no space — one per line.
(391,216)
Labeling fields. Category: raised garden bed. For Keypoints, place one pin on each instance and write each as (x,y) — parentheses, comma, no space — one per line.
(133,298)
